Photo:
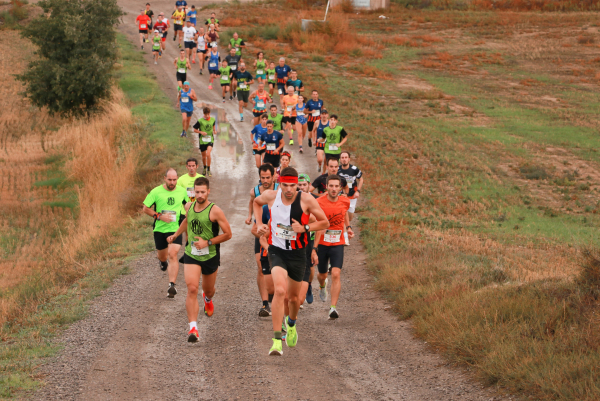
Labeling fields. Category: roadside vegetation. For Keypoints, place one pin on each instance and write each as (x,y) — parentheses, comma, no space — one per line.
(477,132)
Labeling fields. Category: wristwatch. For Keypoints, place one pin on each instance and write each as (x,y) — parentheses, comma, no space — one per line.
(306,228)
(209,242)
(347,227)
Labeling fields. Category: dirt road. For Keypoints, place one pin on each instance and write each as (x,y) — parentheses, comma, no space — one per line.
(133,344)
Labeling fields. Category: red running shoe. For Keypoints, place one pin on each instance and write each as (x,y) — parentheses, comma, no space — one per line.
(209,308)
(193,336)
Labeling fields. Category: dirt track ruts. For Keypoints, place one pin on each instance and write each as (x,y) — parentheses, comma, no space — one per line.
(133,344)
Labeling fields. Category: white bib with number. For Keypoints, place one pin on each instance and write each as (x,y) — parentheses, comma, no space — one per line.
(272,77)
(316,113)
(280,91)
(213,44)
(290,108)
(300,113)
(143,26)
(233,67)
(271,146)
(191,193)
(285,232)
(242,85)
(296,93)
(260,104)
(185,99)
(237,50)
(172,215)
(181,70)
(212,65)
(205,138)
(259,72)
(224,78)
(332,236)
(199,252)
(333,147)
(350,180)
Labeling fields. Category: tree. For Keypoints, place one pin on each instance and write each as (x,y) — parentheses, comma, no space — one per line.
(77,52)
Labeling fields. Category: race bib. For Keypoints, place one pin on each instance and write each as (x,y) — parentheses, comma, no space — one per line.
(285,232)
(212,65)
(224,78)
(191,193)
(181,70)
(333,147)
(332,236)
(316,113)
(296,93)
(213,44)
(143,26)
(350,180)
(179,22)
(237,50)
(242,85)
(199,252)
(171,214)
(289,108)
(259,72)
(272,77)
(233,67)
(260,104)
(271,146)
(300,113)
(280,91)
(185,99)
(205,138)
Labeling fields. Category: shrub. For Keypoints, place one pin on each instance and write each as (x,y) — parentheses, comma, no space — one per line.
(589,276)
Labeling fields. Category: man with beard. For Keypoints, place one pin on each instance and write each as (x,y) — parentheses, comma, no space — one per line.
(354,178)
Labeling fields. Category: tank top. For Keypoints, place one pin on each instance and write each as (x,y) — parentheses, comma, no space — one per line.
(213,62)
(181,66)
(201,43)
(282,235)
(199,225)
(257,190)
(300,110)
(260,67)
(212,36)
(185,102)
(260,99)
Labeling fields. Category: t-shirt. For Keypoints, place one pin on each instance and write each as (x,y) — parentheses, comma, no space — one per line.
(150,14)
(236,44)
(225,72)
(168,203)
(333,136)
(156,43)
(207,126)
(321,183)
(189,33)
(143,21)
(313,109)
(243,78)
(289,105)
(181,3)
(178,16)
(186,182)
(271,140)
(282,72)
(297,84)
(336,214)
(257,132)
(352,174)
(208,22)
(192,16)
(232,61)
(276,121)
(161,26)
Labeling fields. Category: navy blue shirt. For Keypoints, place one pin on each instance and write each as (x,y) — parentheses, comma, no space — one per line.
(320,129)
(311,106)
(272,139)
(181,3)
(282,72)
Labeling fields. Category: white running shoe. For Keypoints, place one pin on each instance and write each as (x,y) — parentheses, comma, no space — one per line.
(323,292)
(333,314)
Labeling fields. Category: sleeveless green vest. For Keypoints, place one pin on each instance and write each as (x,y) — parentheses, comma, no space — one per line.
(199,225)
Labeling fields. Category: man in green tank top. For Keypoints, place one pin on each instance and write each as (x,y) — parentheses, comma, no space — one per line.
(276,118)
(167,199)
(237,43)
(334,137)
(205,128)
(202,253)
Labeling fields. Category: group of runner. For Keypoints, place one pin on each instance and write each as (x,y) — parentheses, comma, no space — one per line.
(298,225)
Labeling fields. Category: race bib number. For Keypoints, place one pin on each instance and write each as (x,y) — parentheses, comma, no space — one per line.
(185,99)
(199,252)
(212,65)
(143,26)
(281,91)
(205,138)
(289,108)
(333,147)
(316,113)
(237,50)
(272,77)
(271,146)
(350,180)
(213,44)
(179,22)
(296,93)
(260,104)
(300,113)
(285,232)
(332,236)
(233,67)
(242,86)
(259,72)
(191,193)
(224,78)
(181,70)
(171,214)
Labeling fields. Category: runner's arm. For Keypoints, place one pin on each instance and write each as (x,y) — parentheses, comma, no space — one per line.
(193,94)
(359,185)
(219,217)
(250,206)
(182,228)
(280,148)
(347,226)
(259,202)
(314,208)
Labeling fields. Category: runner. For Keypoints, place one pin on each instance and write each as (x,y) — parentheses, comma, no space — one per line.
(313,110)
(259,99)
(284,161)
(335,136)
(178,17)
(201,47)
(267,182)
(354,177)
(162,25)
(271,78)
(202,257)
(255,134)
(225,80)
(189,40)
(186,98)
(267,290)
(330,243)
(273,141)
(318,134)
(150,14)
(233,61)
(296,83)
(261,67)
(306,289)
(212,20)
(156,46)
(143,20)
(182,4)
(167,200)
(186,181)
(301,121)
(289,103)
(212,36)
(181,64)
(213,64)
(320,184)
(237,44)
(191,16)
(244,78)
(206,129)
(276,118)
(282,71)
(289,225)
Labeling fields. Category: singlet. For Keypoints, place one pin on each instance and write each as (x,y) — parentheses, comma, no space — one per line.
(282,235)
(201,42)
(261,65)
(199,225)
(271,77)
(260,99)
(208,127)
(185,102)
(300,110)
(156,43)
(213,37)
(257,190)
(320,129)
(213,62)
(181,66)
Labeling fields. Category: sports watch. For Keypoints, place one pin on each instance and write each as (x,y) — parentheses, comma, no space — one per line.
(209,242)
(306,228)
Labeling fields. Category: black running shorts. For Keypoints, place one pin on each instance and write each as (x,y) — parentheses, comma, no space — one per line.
(181,76)
(204,147)
(265,266)
(256,245)
(330,254)
(273,160)
(208,266)
(293,261)
(189,44)
(289,119)
(160,240)
(243,96)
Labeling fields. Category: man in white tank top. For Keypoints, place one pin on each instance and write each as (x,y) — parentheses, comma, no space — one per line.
(289,231)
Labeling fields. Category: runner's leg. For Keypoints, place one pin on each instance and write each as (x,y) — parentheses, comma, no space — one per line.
(173,269)
(191,273)
(280,278)
(336,285)
(293,292)
(208,284)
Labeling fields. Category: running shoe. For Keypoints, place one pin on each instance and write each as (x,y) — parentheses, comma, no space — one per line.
(301,306)
(264,311)
(209,307)
(209,86)
(309,295)
(277,348)
(164,266)
(209,173)
(200,72)
(142,47)
(230,97)
(323,292)
(241,118)
(309,143)
(223,100)
(180,45)
(291,142)
(283,326)
(333,313)
(319,169)
(193,336)
(155,62)
(300,150)
(234,94)
(291,339)
(175,38)
(193,61)
(172,291)
(183,134)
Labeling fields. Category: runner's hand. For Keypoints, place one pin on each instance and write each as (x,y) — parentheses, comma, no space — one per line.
(170,239)
(248,220)
(200,243)
(350,233)
(297,227)
(314,257)
(165,218)
(262,229)
(356,194)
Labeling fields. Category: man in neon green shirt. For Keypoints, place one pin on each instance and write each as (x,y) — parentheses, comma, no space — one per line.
(167,199)
(186,181)
(237,44)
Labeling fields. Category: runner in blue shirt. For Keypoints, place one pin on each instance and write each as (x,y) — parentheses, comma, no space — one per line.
(274,144)
(282,71)
(256,134)
(317,134)
(186,98)
(192,14)
(313,111)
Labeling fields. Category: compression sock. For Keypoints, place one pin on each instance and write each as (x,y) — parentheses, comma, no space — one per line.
(291,322)
(270,297)
(207,168)
(193,325)
(242,115)
(206,299)
(265,303)
(277,335)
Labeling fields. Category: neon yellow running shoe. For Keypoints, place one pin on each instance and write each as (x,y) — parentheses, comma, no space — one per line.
(291,338)
(276,349)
